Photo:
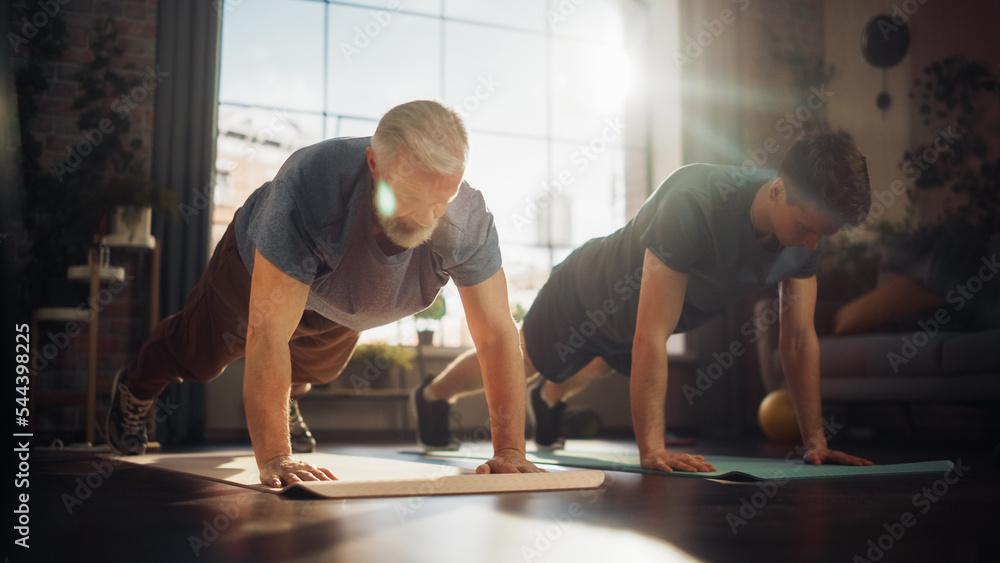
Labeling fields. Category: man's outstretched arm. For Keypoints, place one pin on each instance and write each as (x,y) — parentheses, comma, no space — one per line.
(661,298)
(498,346)
(799,348)
(276,304)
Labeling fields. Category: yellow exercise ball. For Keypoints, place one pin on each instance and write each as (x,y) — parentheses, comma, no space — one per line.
(776,416)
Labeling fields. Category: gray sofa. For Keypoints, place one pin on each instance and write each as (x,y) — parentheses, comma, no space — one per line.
(952,366)
(908,360)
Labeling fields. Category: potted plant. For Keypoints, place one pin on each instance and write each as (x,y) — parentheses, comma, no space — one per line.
(517,312)
(373,365)
(956,97)
(436,310)
(129,200)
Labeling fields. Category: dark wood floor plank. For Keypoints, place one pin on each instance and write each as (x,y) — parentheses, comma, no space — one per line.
(87,510)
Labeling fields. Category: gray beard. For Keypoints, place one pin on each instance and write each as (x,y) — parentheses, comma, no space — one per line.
(403,234)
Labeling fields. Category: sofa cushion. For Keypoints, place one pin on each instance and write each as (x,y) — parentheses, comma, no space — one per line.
(972,353)
(881,355)
(900,296)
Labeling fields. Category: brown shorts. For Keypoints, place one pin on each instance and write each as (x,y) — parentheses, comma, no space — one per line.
(209,333)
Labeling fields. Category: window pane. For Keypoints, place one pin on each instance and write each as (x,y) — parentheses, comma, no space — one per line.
(590,83)
(511,173)
(430,7)
(347,127)
(374,67)
(593,20)
(262,65)
(595,193)
(496,78)
(528,15)
(252,145)
(637,187)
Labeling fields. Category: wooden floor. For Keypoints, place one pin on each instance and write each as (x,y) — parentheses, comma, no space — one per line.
(84,511)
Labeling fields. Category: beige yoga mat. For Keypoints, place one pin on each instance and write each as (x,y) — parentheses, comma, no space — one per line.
(367,476)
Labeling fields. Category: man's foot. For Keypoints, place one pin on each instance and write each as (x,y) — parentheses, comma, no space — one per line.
(432,420)
(546,420)
(302,439)
(126,425)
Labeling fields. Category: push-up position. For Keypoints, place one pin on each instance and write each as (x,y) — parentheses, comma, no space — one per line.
(708,236)
(350,234)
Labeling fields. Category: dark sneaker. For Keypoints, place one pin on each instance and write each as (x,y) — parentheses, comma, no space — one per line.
(546,420)
(126,426)
(432,420)
(302,439)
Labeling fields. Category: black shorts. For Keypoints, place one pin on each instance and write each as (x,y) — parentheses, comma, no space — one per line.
(561,338)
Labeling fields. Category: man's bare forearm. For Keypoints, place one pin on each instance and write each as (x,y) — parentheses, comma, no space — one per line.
(266,384)
(648,393)
(504,384)
(800,362)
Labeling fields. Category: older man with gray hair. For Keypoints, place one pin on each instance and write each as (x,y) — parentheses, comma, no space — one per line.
(351,234)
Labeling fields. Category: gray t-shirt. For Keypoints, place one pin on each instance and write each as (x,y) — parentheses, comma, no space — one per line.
(314,222)
(698,223)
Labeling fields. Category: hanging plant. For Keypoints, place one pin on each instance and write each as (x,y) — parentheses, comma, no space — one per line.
(955,97)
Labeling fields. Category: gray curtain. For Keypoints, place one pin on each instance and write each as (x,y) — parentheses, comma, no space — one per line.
(12,309)
(187,54)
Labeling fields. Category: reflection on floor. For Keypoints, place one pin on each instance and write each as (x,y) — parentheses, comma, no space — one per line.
(98,510)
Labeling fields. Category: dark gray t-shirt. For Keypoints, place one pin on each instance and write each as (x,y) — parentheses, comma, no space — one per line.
(314,222)
(698,223)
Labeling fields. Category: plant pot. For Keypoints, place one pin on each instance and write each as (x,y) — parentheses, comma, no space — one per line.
(425,337)
(130,226)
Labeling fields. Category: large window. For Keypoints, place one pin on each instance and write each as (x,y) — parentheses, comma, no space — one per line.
(550,91)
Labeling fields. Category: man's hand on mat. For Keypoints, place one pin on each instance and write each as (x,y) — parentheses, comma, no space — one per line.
(821,455)
(508,461)
(662,460)
(285,470)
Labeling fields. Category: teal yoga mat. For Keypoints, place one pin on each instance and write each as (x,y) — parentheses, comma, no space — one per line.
(728,467)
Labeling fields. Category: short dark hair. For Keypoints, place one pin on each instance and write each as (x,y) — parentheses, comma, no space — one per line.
(828,169)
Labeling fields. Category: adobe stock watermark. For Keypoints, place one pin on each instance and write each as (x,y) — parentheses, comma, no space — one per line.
(625,288)
(752,505)
(899,15)
(30,28)
(562,12)
(59,341)
(958,297)
(924,501)
(580,161)
(212,529)
(409,506)
(248,151)
(266,306)
(709,32)
(558,525)
(85,486)
(485,88)
(378,20)
(912,169)
(789,125)
(373,370)
(75,154)
(760,322)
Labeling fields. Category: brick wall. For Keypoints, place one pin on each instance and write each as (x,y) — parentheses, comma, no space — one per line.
(124,317)
(135,20)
